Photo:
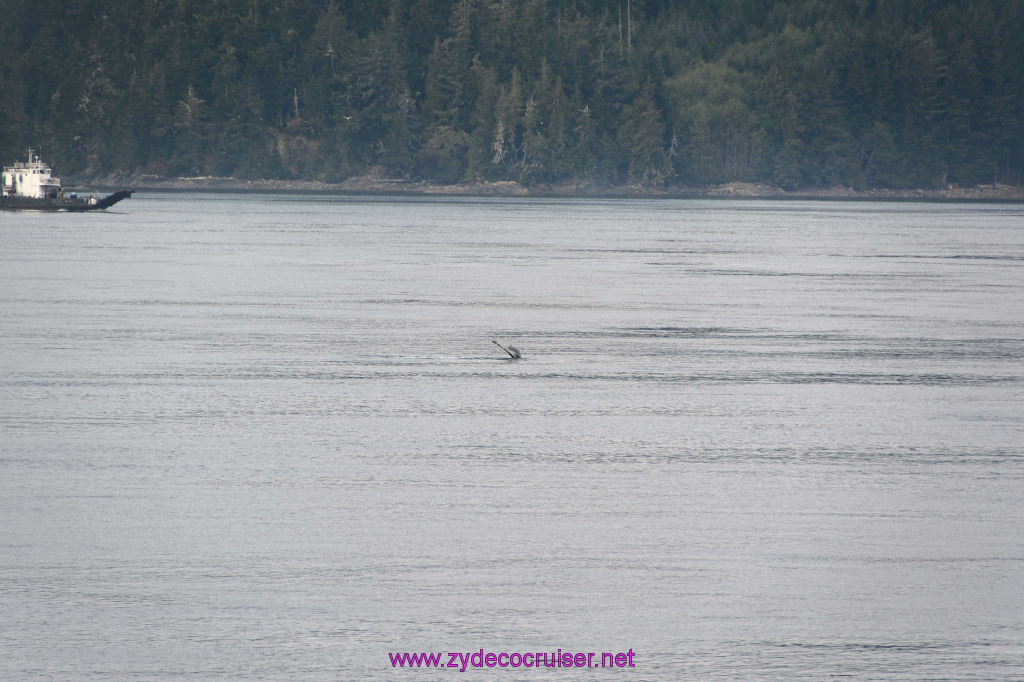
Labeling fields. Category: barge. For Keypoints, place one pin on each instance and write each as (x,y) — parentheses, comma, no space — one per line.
(30,186)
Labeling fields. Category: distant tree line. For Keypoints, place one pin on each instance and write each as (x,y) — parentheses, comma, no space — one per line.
(799,93)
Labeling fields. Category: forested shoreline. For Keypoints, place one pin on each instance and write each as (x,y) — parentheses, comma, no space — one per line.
(795,94)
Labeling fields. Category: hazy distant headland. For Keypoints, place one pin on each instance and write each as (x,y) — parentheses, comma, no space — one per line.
(650,97)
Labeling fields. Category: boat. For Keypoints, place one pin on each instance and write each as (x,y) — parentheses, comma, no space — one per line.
(31,186)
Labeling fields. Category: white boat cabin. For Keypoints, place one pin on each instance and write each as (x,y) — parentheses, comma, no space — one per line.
(30,179)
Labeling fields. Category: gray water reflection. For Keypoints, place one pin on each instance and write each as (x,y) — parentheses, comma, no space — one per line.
(268,437)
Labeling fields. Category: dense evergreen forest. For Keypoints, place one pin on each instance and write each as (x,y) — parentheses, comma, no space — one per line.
(798,93)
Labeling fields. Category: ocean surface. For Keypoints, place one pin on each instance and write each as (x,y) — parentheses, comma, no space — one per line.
(267,437)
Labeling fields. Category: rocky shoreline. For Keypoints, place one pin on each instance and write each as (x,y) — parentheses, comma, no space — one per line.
(383,185)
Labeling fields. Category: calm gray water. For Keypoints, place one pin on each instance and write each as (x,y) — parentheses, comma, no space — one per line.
(267,437)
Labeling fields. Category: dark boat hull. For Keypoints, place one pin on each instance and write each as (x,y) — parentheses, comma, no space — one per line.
(62,203)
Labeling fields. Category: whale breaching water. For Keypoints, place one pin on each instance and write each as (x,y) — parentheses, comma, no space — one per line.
(512,351)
